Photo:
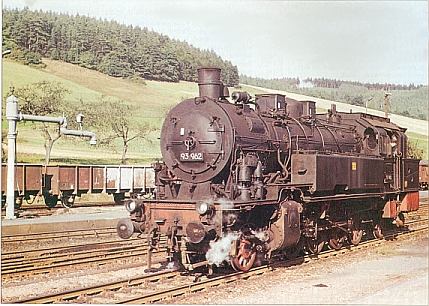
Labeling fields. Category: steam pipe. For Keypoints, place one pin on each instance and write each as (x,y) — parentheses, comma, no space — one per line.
(59,120)
(92,141)
(65,131)
(63,122)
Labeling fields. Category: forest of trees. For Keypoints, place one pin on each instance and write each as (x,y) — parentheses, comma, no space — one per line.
(107,46)
(333,83)
(322,83)
(407,100)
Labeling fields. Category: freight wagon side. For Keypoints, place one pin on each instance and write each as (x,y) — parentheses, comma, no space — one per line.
(423,174)
(66,182)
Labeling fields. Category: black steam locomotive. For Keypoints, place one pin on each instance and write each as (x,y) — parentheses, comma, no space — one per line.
(270,176)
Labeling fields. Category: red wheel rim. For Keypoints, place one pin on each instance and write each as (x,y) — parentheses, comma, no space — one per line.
(245,257)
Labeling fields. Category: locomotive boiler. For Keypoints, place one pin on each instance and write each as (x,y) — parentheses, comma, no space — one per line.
(251,178)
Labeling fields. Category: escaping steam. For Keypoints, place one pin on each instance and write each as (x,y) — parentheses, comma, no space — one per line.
(226,204)
(219,250)
(261,235)
(171,265)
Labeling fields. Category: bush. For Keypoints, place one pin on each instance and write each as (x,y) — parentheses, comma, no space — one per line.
(27,58)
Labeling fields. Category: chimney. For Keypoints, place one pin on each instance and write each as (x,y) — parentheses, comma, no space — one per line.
(209,82)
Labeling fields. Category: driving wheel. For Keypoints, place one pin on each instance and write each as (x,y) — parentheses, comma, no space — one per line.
(336,241)
(377,231)
(356,234)
(245,257)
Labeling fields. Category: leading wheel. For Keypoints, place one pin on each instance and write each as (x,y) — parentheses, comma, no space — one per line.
(245,257)
(67,200)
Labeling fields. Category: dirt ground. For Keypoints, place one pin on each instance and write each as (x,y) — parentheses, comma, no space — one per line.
(395,273)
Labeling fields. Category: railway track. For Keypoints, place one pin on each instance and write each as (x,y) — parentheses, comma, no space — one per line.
(43,261)
(55,236)
(28,242)
(159,286)
(165,285)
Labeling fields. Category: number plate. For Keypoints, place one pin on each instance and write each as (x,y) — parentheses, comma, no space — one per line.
(191,156)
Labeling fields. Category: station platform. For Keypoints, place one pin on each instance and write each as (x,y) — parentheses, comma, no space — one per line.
(65,219)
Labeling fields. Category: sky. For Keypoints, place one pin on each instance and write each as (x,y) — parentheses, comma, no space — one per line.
(365,41)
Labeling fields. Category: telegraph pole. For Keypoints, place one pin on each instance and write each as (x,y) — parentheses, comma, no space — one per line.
(366,104)
(386,103)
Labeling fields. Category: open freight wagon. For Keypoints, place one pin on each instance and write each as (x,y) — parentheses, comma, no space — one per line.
(66,182)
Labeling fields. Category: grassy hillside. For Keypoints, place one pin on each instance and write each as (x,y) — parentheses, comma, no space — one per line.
(154,98)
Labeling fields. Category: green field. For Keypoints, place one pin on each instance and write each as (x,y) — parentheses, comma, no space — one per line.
(153,98)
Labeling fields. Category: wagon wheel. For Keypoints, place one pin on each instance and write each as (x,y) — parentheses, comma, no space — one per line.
(119,198)
(336,241)
(356,233)
(377,231)
(245,257)
(50,200)
(18,202)
(67,200)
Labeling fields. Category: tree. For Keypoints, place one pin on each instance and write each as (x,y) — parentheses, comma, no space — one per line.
(113,65)
(413,150)
(117,120)
(352,94)
(43,99)
(88,60)
(3,145)
(357,100)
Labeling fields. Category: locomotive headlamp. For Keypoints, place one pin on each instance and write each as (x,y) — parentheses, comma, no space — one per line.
(133,205)
(201,208)
(204,208)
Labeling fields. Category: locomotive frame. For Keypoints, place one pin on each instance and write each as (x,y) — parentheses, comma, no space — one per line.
(249,179)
